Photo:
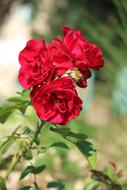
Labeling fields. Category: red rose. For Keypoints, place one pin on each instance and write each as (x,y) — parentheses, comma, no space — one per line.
(74,52)
(75,44)
(57,102)
(94,57)
(61,60)
(82,50)
(36,66)
(68,50)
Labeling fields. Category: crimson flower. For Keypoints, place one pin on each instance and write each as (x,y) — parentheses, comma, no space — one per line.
(73,52)
(57,102)
(36,65)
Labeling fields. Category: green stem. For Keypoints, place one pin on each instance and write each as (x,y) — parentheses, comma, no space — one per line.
(18,155)
(15,160)
(36,133)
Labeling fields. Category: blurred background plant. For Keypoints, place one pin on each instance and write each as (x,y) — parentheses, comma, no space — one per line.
(104,119)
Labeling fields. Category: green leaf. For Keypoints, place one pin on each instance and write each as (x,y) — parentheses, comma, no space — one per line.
(26,188)
(65,132)
(23,109)
(55,184)
(38,169)
(5,146)
(116,187)
(24,93)
(124,186)
(4,162)
(23,106)
(28,155)
(8,142)
(15,99)
(11,106)
(18,100)
(33,170)
(88,150)
(41,149)
(27,170)
(101,177)
(29,132)
(105,179)
(60,145)
(5,112)
(94,185)
(80,136)
(14,103)
(62,131)
(2,184)
(2,140)
(111,173)
(37,141)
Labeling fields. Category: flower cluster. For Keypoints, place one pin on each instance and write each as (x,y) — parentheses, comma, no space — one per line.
(52,72)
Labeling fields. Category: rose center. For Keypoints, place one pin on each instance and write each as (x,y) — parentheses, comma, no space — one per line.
(76,75)
(61,106)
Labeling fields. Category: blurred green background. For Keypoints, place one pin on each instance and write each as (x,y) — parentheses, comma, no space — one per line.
(105,100)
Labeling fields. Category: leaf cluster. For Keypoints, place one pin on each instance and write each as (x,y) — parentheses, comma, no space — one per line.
(20,102)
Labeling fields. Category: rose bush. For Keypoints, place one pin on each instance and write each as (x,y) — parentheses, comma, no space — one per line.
(50,74)
(43,70)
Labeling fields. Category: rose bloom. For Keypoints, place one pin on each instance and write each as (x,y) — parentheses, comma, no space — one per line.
(60,57)
(36,65)
(63,62)
(74,52)
(82,50)
(57,102)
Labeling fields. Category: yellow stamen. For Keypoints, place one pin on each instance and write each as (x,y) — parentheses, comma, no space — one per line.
(76,75)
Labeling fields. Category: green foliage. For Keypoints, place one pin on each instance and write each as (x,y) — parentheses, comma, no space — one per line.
(5,162)
(28,132)
(55,184)
(28,155)
(28,142)
(2,184)
(112,172)
(60,145)
(86,147)
(66,132)
(41,149)
(34,187)
(106,180)
(20,103)
(77,135)
(100,176)
(8,142)
(32,169)
(88,150)
(92,185)
(124,186)
(5,111)
(6,145)
(26,188)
